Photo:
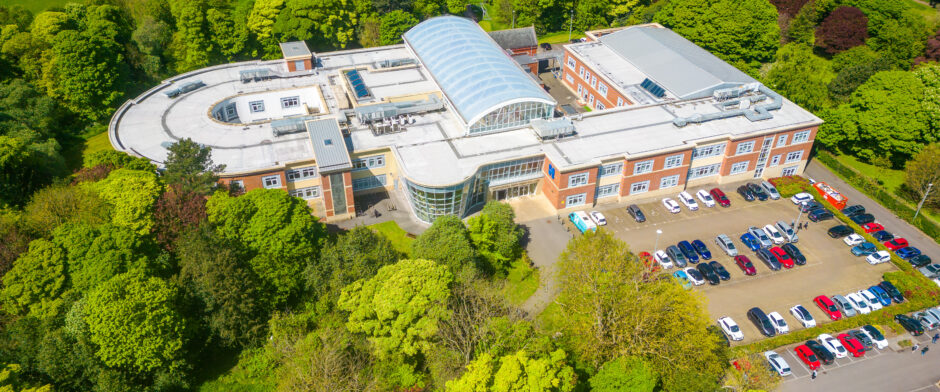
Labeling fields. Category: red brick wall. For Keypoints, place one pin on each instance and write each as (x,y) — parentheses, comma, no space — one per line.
(654,177)
(308,64)
(556,190)
(253,181)
(529,50)
(609,101)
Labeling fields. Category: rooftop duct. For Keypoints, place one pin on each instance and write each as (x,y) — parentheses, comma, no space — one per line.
(753,113)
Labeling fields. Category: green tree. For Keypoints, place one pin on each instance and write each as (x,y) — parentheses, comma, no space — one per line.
(496,235)
(117,160)
(357,254)
(86,72)
(261,25)
(853,68)
(393,25)
(625,374)
(137,323)
(96,254)
(26,109)
(229,36)
(190,48)
(517,372)
(189,165)
(929,75)
(27,163)
(802,27)
(325,23)
(132,194)
(755,375)
(924,169)
(399,308)
(447,242)
(15,15)
(47,24)
(35,283)
(801,76)
(56,205)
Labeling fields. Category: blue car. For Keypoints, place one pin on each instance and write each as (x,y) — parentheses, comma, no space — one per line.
(883,236)
(908,252)
(686,248)
(701,249)
(750,241)
(882,295)
(864,249)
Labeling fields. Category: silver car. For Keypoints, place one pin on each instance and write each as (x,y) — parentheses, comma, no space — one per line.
(777,363)
(724,242)
(771,190)
(765,241)
(927,320)
(844,305)
(787,231)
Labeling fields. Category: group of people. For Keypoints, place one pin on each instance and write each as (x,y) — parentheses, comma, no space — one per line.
(923,350)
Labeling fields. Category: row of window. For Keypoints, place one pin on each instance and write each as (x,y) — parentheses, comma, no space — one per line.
(799,137)
(286,103)
(301,174)
(370,182)
(709,151)
(647,166)
(365,163)
(612,169)
(306,193)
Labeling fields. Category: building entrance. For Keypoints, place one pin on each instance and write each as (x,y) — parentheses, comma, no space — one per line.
(513,191)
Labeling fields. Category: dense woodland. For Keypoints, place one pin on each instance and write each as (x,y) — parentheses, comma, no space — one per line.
(117,277)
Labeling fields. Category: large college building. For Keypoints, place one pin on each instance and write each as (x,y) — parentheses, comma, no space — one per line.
(450,120)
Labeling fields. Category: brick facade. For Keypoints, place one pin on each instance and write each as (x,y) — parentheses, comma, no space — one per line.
(609,99)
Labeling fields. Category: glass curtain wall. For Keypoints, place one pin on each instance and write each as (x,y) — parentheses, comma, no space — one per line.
(513,115)
(430,203)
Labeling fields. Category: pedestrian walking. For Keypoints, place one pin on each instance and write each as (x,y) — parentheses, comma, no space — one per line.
(914,347)
(924,350)
(814,374)
(936,337)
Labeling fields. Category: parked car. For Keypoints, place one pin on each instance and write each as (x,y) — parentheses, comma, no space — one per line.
(730,328)
(637,214)
(745,264)
(910,324)
(853,210)
(598,218)
(765,241)
(663,259)
(927,320)
(787,231)
(774,234)
(687,199)
(882,236)
(802,315)
(805,354)
(770,189)
(832,344)
(907,252)
(853,239)
(819,215)
(694,276)
(821,352)
(683,279)
(782,257)
(750,241)
(872,300)
(881,295)
(930,271)
(758,192)
(861,219)
(724,243)
(688,251)
(892,291)
(852,345)
(709,273)
(760,320)
(720,270)
(671,205)
(862,338)
(935,312)
(701,249)
(875,335)
(810,206)
(676,255)
(795,253)
(840,231)
(778,364)
(779,324)
(919,261)
(769,259)
(720,197)
(845,307)
(864,249)
(859,303)
(801,198)
(881,256)
(872,227)
(828,307)
(896,243)
(705,198)
(746,193)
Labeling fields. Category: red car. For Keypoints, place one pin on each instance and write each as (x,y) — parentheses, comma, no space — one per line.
(872,227)
(745,264)
(806,355)
(896,244)
(828,307)
(720,197)
(648,261)
(852,344)
(782,256)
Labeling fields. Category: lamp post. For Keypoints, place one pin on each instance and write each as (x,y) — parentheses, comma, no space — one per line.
(921,204)
(513,19)
(656,245)
(570,21)
(798,216)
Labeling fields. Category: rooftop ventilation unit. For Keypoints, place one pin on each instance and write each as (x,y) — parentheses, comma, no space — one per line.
(184,88)
(290,125)
(753,113)
(396,62)
(379,112)
(653,88)
(256,75)
(553,128)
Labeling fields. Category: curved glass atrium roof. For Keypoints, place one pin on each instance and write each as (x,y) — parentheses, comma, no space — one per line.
(474,72)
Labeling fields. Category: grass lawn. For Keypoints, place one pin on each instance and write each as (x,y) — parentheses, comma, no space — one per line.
(551,318)
(560,37)
(931,15)
(37,6)
(99,142)
(397,235)
(521,281)
(889,178)
(491,24)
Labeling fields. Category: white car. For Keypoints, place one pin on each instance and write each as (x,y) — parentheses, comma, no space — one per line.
(779,324)
(881,256)
(833,345)
(663,259)
(873,301)
(687,199)
(802,315)
(694,276)
(853,239)
(671,205)
(598,218)
(774,235)
(801,198)
(881,343)
(859,303)
(730,328)
(777,363)
(705,198)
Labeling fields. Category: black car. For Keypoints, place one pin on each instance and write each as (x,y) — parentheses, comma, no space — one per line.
(810,205)
(720,270)
(758,192)
(892,291)
(709,273)
(637,214)
(861,219)
(882,236)
(840,231)
(794,253)
(762,322)
(819,214)
(853,210)
(910,324)
(920,261)
(874,332)
(746,193)
(862,338)
(824,355)
(769,259)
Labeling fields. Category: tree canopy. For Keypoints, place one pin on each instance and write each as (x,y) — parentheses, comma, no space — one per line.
(846,27)
(801,76)
(447,242)
(496,235)
(393,25)
(519,371)
(358,254)
(36,281)
(625,374)
(189,166)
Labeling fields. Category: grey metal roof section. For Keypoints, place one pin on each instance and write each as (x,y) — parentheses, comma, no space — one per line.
(329,148)
(674,62)
(522,37)
(294,49)
(475,74)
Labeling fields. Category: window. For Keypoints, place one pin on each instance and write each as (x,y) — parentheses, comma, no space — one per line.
(368,162)
(673,161)
(669,182)
(237,185)
(512,171)
(639,187)
(300,65)
(775,160)
(230,111)
(602,88)
(782,140)
(643,167)
(612,169)
(327,142)
(594,81)
(744,148)
(794,156)
(256,106)
(587,77)
(370,182)
(290,102)
(619,101)
(789,171)
(599,106)
(580,89)
(581,71)
(301,174)
(575,200)
(571,62)
(740,167)
(592,99)
(708,151)
(800,137)
(578,180)
(704,171)
(608,190)
(569,78)
(306,193)
(271,181)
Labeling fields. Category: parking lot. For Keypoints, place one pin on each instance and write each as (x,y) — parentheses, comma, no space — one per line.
(830,269)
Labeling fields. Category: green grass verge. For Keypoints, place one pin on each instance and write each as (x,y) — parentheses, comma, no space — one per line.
(99,142)
(396,234)
(37,6)
(551,318)
(890,179)
(521,281)
(931,15)
(560,37)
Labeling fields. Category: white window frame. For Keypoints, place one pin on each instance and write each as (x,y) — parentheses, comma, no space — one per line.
(599,105)
(789,171)
(587,77)
(256,106)
(775,160)
(571,63)
(801,137)
(669,181)
(576,200)
(794,156)
(619,101)
(370,162)
(580,179)
(745,148)
(300,65)
(704,171)
(673,161)
(569,78)
(580,89)
(371,182)
(594,81)
(581,72)
(271,182)
(612,169)
(782,140)
(602,88)
(301,173)
(310,192)
(643,167)
(240,183)
(740,167)
(290,102)
(591,100)
(639,187)
(608,190)
(709,151)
